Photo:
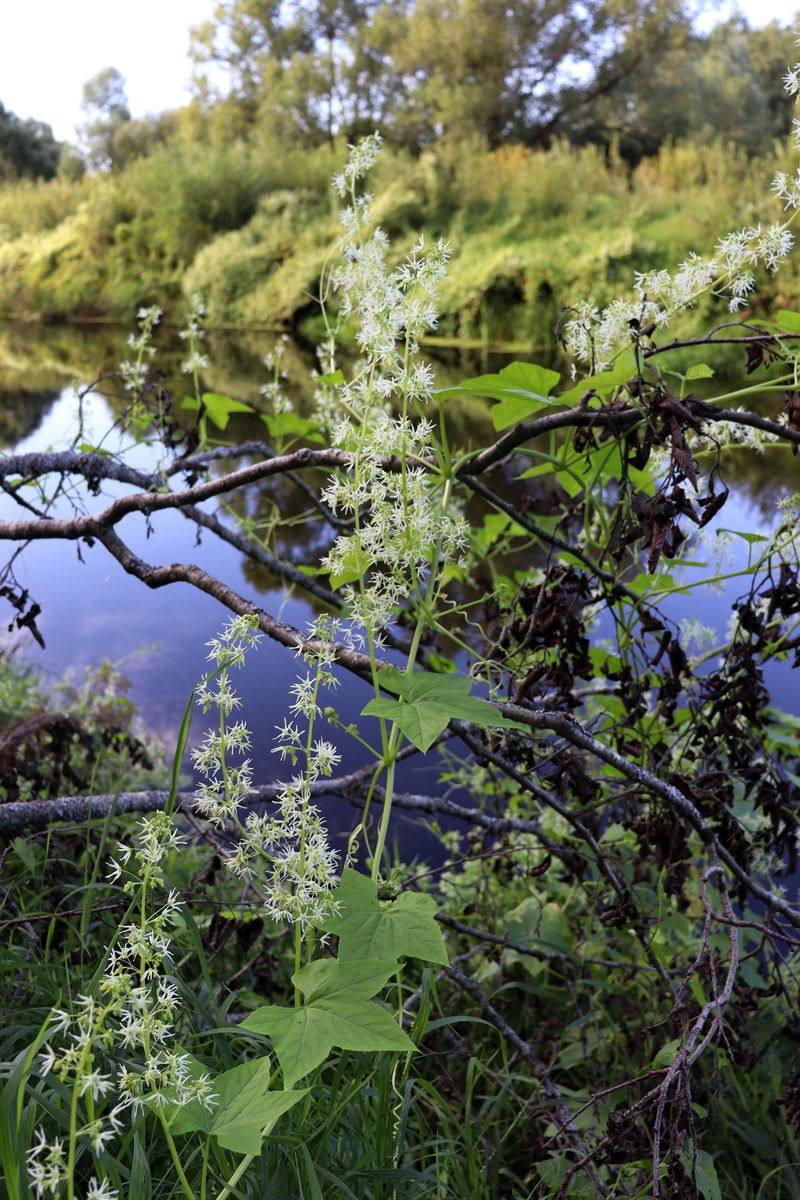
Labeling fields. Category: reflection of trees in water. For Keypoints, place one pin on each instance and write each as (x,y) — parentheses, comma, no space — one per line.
(38,357)
(762,478)
(36,361)
(278,508)
(21,414)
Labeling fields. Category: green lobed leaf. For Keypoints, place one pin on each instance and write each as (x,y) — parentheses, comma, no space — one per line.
(368,929)
(647,582)
(334,379)
(700,371)
(428,702)
(286,424)
(537,926)
(25,853)
(494,525)
(701,1164)
(602,383)
(250,1114)
(304,1037)
(788,320)
(332,978)
(420,723)
(665,1057)
(542,468)
(337,1013)
(751,538)
(219,408)
(521,388)
(245,1110)
(356,563)
(585,471)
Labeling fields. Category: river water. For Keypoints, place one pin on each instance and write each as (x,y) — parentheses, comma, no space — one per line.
(92,611)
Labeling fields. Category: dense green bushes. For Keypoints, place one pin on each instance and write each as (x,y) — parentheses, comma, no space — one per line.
(250,226)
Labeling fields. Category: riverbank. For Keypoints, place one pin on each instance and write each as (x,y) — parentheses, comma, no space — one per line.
(531,232)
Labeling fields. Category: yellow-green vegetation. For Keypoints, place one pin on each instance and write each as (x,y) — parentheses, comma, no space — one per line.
(556,147)
(531,230)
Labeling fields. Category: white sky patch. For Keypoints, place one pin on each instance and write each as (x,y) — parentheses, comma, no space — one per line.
(49,48)
(758,12)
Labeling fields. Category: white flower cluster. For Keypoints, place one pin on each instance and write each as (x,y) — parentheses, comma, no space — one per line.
(116,1050)
(225,787)
(729,433)
(787,187)
(789,508)
(287,851)
(291,843)
(361,158)
(47,1170)
(695,635)
(273,390)
(401,523)
(405,523)
(393,307)
(784,542)
(134,373)
(193,335)
(326,402)
(716,545)
(595,337)
(47,1165)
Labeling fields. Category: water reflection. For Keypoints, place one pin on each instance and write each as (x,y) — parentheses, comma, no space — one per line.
(92,610)
(37,362)
(22,413)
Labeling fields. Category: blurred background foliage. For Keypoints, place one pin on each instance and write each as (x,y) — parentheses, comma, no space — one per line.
(559,146)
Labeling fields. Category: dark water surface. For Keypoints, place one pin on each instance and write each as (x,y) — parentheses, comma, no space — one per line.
(92,611)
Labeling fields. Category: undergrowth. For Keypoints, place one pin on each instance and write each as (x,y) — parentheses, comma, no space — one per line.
(594,992)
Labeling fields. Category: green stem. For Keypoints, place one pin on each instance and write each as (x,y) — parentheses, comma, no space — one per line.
(187,1189)
(236,1176)
(204,1173)
(73,1124)
(367,804)
(298,954)
(384,825)
(394,736)
(758,389)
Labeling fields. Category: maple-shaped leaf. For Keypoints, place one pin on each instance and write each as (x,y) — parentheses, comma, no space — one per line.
(603,383)
(402,928)
(521,388)
(337,1011)
(428,701)
(249,1116)
(218,407)
(244,1112)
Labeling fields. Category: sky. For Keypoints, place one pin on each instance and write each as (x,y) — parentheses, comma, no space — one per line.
(49,48)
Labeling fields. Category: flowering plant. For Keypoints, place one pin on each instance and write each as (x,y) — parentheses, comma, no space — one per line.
(621,894)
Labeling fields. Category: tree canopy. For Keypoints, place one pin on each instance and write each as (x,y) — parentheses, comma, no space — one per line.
(27,147)
(523,71)
(106,106)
